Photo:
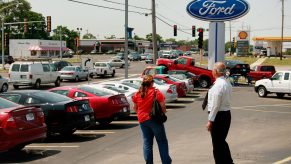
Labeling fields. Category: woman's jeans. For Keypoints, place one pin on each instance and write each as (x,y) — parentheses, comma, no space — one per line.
(151,129)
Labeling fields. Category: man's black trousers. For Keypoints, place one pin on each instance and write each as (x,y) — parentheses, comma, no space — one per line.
(219,133)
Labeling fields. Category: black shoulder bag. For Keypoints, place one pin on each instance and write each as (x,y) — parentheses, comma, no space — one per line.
(157,113)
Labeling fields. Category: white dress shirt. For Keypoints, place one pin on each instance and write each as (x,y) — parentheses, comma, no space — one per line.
(219,97)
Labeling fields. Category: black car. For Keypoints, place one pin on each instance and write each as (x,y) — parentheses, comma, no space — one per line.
(62,114)
(120,56)
(134,56)
(236,67)
(61,64)
(7,59)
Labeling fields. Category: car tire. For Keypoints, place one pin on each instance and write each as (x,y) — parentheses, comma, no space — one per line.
(91,75)
(280,95)
(262,92)
(113,73)
(122,66)
(58,82)
(104,74)
(204,82)
(16,86)
(77,79)
(37,84)
(68,132)
(4,88)
(17,148)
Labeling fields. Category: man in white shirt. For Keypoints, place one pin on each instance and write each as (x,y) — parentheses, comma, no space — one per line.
(219,114)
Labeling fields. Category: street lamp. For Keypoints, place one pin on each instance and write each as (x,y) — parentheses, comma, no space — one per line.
(79,32)
(2,28)
(61,47)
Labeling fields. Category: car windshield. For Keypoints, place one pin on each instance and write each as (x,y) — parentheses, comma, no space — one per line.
(115,89)
(173,79)
(94,91)
(159,82)
(50,97)
(131,85)
(6,104)
(69,68)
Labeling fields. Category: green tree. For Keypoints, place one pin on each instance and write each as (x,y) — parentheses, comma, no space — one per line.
(149,37)
(173,40)
(205,45)
(67,35)
(136,37)
(110,37)
(89,36)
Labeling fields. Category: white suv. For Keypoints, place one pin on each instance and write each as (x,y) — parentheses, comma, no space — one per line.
(103,69)
(33,74)
(3,84)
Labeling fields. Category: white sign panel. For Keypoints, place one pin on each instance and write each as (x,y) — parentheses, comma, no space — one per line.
(87,63)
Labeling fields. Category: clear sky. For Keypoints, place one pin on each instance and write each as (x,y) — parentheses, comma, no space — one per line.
(264,18)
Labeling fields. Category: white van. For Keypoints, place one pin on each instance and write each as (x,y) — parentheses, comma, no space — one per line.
(29,73)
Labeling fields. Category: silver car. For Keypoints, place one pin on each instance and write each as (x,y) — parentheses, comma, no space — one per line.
(118,63)
(3,84)
(74,73)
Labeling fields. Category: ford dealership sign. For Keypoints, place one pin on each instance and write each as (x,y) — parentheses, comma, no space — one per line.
(218,10)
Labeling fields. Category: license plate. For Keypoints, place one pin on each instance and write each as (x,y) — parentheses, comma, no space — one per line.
(29,117)
(23,76)
(87,118)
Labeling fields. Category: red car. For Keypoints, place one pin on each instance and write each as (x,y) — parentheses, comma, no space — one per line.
(181,87)
(106,106)
(20,125)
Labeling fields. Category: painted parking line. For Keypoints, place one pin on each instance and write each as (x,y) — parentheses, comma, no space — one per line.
(286,160)
(125,122)
(264,111)
(186,99)
(254,106)
(51,146)
(93,132)
(118,78)
(175,104)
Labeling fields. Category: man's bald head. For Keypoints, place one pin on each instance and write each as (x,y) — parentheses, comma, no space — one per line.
(218,69)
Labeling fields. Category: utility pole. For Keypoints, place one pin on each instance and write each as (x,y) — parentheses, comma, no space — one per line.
(230,38)
(154,36)
(126,40)
(282,32)
(3,59)
(61,47)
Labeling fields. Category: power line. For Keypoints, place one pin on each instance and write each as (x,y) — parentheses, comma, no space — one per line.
(128,5)
(171,20)
(172,25)
(106,7)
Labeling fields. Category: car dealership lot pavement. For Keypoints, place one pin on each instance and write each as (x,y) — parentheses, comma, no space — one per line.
(259,134)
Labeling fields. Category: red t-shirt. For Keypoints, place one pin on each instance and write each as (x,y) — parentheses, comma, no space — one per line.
(144,105)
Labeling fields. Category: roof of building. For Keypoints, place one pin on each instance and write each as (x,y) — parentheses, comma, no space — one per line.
(285,39)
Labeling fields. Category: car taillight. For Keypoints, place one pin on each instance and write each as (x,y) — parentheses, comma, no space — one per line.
(41,116)
(30,76)
(72,109)
(238,66)
(7,121)
(170,91)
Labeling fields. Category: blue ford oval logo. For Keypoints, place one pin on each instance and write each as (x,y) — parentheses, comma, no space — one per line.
(218,10)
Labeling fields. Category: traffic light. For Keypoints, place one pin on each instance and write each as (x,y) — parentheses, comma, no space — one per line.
(6,39)
(49,23)
(77,41)
(200,38)
(193,31)
(25,25)
(175,30)
(233,42)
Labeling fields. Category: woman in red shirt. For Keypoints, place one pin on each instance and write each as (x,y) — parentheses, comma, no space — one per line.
(143,101)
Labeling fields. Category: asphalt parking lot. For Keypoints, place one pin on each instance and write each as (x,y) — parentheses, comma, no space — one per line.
(260,133)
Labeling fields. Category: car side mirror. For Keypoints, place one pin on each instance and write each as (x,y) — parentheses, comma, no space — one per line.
(175,62)
(192,63)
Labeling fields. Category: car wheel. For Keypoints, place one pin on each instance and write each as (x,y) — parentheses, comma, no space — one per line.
(91,75)
(4,88)
(122,66)
(16,86)
(113,73)
(68,132)
(37,84)
(58,82)
(77,78)
(17,148)
(262,92)
(280,95)
(204,82)
(105,73)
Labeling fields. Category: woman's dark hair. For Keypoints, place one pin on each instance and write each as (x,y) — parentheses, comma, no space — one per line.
(146,83)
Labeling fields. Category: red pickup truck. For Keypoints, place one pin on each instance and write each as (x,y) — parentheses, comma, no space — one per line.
(187,63)
(261,72)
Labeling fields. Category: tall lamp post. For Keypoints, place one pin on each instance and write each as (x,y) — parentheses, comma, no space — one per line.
(61,47)
(2,28)
(79,33)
